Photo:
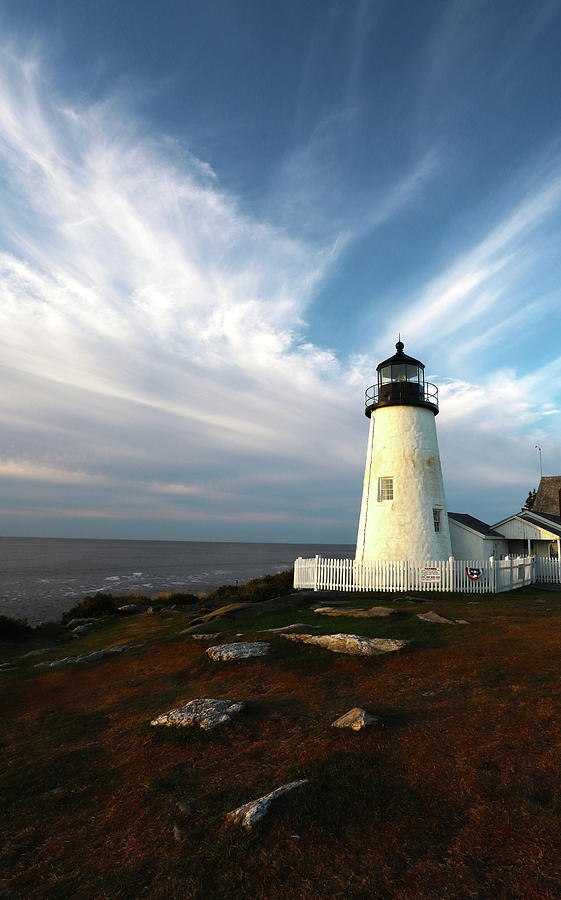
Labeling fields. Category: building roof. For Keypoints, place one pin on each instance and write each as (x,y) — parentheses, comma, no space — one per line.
(475,524)
(399,357)
(547,497)
(548,521)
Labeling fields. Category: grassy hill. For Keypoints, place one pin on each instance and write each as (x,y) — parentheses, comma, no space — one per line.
(457,794)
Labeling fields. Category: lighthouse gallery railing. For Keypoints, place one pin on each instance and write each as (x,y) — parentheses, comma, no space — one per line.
(464,576)
(401,392)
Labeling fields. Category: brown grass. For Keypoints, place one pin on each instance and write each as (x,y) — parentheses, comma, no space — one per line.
(458,794)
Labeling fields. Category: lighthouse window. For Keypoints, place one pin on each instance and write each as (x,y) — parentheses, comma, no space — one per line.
(385,489)
(436,519)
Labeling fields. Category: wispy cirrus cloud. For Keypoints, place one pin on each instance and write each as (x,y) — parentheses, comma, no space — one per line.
(486,277)
(153,327)
(157,364)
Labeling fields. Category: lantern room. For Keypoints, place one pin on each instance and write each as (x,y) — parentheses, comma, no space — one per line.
(401,382)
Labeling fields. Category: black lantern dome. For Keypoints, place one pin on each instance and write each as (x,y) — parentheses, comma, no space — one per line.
(401,382)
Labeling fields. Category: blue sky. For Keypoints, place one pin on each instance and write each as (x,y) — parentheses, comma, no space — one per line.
(217,217)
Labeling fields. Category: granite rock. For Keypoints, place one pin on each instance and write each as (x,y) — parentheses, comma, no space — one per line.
(435,618)
(353,644)
(238,650)
(88,657)
(297,627)
(129,609)
(81,629)
(251,813)
(374,612)
(203,712)
(356,719)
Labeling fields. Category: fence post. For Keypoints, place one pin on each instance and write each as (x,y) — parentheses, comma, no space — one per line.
(492,574)
(316,572)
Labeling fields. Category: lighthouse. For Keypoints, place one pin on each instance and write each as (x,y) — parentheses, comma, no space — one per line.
(403,512)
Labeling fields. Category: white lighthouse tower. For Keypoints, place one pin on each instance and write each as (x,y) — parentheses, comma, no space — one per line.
(403,513)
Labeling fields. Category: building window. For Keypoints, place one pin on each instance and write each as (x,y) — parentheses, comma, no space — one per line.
(385,489)
(436,519)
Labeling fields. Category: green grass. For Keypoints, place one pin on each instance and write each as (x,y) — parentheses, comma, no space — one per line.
(346,786)
(298,657)
(73,772)
(468,740)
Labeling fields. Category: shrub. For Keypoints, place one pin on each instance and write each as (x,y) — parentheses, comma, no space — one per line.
(13,629)
(133,597)
(168,598)
(99,604)
(264,588)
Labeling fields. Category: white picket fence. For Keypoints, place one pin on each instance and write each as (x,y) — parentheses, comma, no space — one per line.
(466,576)
(548,570)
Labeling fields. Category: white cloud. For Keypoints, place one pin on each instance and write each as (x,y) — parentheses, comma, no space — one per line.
(156,364)
(151,331)
(485,278)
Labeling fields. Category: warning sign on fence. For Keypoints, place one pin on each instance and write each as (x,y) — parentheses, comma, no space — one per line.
(430,573)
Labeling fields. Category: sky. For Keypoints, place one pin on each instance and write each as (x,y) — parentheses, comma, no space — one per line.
(215,221)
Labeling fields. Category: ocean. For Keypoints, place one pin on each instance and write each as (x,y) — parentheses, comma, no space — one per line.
(40,578)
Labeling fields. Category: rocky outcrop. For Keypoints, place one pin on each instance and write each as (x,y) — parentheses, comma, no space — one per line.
(437,619)
(201,628)
(204,712)
(251,813)
(356,718)
(130,609)
(374,612)
(89,657)
(238,650)
(298,627)
(240,610)
(55,662)
(81,629)
(353,644)
(228,611)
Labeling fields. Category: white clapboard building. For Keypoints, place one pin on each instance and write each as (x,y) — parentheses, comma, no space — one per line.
(529,532)
(473,539)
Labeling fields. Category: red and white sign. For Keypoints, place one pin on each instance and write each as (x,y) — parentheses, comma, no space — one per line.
(430,573)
